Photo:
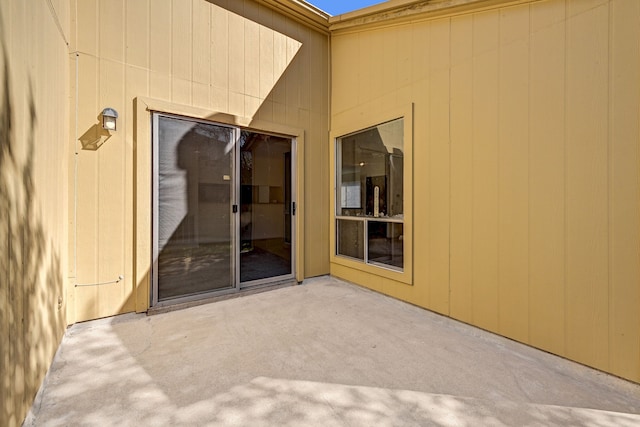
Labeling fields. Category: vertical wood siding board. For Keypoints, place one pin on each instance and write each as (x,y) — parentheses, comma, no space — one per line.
(587,310)
(523,269)
(210,51)
(423,190)
(200,35)
(566,184)
(473,186)
(625,218)
(97,199)
(545,172)
(88,25)
(123,172)
(306,75)
(364,69)
(528,261)
(291,64)
(12,336)
(451,178)
(324,135)
(21,288)
(438,174)
(90,270)
(222,59)
(181,52)
(421,149)
(279,64)
(502,300)
(111,30)
(105,164)
(326,71)
(252,58)
(5,385)
(609,189)
(162,29)
(459,258)
(344,77)
(207,51)
(406,58)
(529,185)
(498,160)
(485,158)
(471,202)
(279,57)
(301,58)
(126,214)
(466,184)
(513,147)
(236,54)
(316,73)
(267,74)
(148,46)
(132,89)
(375,73)
(389,58)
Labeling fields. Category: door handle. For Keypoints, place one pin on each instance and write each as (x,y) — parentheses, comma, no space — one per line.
(235,208)
(293,208)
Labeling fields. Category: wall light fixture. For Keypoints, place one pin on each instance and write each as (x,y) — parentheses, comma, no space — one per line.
(109,118)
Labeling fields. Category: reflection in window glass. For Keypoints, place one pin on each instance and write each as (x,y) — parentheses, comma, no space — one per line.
(351,195)
(194,233)
(369,169)
(350,239)
(370,172)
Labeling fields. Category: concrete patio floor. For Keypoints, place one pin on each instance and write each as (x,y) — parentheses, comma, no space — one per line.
(324,353)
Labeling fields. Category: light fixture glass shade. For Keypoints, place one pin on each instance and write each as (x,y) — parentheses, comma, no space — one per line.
(109,117)
(109,123)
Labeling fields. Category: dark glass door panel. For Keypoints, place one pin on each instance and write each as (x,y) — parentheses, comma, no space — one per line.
(265,206)
(194,196)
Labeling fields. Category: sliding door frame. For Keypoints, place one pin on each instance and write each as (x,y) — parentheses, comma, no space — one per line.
(236,285)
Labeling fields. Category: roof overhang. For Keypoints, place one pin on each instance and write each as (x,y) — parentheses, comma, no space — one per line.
(408,10)
(300,11)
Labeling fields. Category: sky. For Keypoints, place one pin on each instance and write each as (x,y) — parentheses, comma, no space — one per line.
(338,7)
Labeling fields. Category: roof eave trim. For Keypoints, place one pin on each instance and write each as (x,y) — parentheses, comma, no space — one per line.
(409,9)
(301,11)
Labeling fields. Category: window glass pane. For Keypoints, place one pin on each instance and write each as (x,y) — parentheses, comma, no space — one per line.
(350,239)
(385,243)
(370,170)
(265,200)
(194,208)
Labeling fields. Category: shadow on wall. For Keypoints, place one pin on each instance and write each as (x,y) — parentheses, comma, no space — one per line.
(94,137)
(31,285)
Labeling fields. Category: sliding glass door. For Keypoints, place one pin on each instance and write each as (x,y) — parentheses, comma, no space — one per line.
(222,208)
(193,207)
(265,207)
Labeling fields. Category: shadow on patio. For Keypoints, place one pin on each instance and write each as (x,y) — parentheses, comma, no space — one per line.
(323,353)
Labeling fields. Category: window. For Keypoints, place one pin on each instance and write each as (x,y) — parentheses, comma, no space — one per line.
(370,199)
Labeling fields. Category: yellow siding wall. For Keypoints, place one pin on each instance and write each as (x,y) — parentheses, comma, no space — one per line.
(34,90)
(222,56)
(526,154)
